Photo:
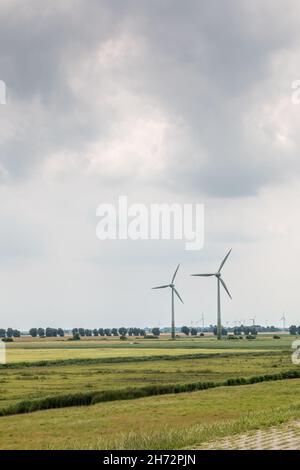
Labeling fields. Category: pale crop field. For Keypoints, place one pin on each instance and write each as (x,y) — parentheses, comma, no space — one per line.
(25,350)
(48,354)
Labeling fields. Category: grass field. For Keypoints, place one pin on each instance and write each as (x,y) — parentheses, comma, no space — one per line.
(33,382)
(95,366)
(123,424)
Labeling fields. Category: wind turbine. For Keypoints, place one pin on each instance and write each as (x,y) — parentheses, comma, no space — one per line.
(220,281)
(172,287)
(202,318)
(283,318)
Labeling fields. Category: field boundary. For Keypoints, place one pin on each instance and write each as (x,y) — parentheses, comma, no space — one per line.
(91,398)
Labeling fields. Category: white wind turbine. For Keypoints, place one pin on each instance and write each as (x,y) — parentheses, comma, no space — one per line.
(220,281)
(283,319)
(172,287)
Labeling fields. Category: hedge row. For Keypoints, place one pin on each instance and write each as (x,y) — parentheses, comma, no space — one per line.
(91,398)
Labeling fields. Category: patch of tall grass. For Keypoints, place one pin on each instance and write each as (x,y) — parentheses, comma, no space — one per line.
(192,436)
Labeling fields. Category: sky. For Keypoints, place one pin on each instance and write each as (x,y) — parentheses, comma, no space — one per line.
(164,102)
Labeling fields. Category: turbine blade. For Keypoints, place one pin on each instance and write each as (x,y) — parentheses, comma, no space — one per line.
(177,294)
(206,275)
(174,275)
(224,260)
(161,287)
(225,287)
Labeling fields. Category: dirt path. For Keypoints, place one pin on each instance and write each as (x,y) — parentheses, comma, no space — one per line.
(283,437)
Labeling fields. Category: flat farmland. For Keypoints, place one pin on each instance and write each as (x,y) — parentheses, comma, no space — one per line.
(21,355)
(44,350)
(173,421)
(19,383)
(38,370)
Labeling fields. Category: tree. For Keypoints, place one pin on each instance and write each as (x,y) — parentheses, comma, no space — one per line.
(88,332)
(41,332)
(51,332)
(101,332)
(16,334)
(253,331)
(95,332)
(130,331)
(298,330)
(122,331)
(293,330)
(74,331)
(81,331)
(107,332)
(48,332)
(9,332)
(237,331)
(185,330)
(246,330)
(223,332)
(156,331)
(33,332)
(60,332)
(2,333)
(194,331)
(114,331)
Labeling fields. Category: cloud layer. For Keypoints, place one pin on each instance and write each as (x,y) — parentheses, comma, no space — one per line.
(162,102)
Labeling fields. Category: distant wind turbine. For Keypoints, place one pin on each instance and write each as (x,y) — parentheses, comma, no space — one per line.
(202,318)
(283,318)
(220,281)
(172,287)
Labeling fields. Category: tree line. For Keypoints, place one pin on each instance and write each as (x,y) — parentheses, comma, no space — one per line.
(109,332)
(82,332)
(294,330)
(9,333)
(46,332)
(122,331)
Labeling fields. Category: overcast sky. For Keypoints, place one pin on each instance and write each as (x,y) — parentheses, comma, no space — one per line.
(163,102)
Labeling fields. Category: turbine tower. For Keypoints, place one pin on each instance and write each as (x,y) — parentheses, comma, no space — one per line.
(173,290)
(219,282)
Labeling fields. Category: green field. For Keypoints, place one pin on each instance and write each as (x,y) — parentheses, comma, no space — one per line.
(40,369)
(151,419)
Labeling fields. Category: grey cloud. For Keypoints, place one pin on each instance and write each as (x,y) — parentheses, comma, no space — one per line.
(202,63)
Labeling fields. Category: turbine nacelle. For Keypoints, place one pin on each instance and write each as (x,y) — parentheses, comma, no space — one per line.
(171,285)
(218,274)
